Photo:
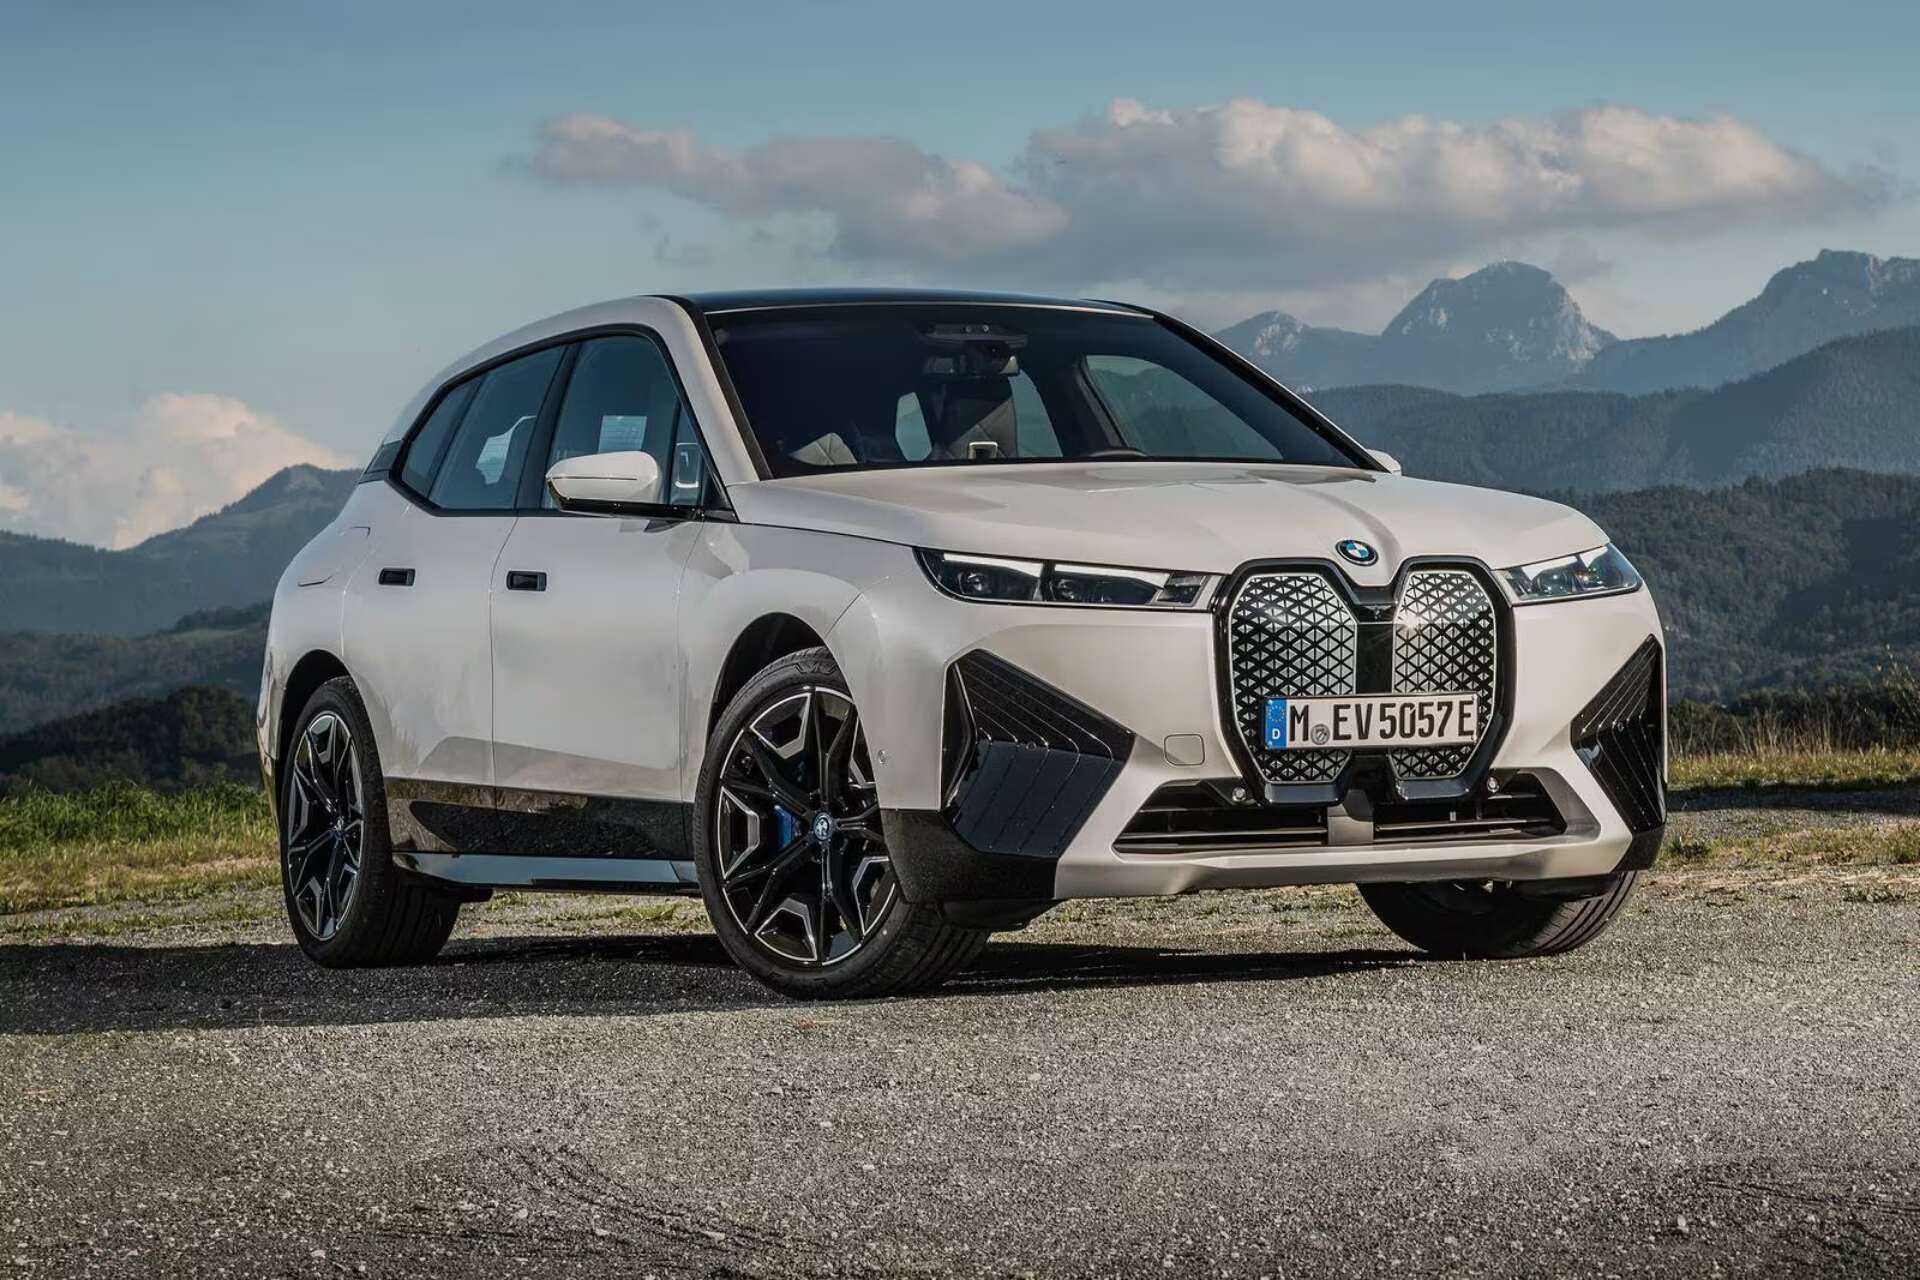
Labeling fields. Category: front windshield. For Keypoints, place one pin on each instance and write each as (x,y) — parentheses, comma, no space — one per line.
(844,387)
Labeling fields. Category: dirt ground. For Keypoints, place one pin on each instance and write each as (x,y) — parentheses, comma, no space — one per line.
(1228,1084)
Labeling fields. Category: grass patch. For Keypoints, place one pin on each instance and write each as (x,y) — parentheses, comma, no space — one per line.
(142,921)
(122,842)
(1895,844)
(1825,770)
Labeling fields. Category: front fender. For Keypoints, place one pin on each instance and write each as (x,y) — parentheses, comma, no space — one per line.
(740,574)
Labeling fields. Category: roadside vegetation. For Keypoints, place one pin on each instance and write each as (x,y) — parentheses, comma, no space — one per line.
(1877,717)
(121,842)
(152,853)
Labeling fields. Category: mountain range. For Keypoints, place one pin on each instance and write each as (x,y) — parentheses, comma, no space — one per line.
(1511,327)
(227,559)
(1851,403)
(1504,327)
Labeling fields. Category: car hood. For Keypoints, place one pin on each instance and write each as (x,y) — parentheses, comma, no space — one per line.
(1208,517)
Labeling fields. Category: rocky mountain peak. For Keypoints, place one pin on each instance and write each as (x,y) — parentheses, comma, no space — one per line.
(1514,316)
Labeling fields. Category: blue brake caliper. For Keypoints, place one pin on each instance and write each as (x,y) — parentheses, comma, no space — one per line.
(788,824)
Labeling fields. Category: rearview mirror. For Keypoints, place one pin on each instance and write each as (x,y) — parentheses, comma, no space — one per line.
(606,483)
(1386,460)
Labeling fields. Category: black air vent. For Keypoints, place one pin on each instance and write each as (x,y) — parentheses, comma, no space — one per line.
(1520,810)
(1621,735)
(1191,817)
(1026,763)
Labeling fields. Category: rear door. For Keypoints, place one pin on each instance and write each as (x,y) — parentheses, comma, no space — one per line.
(416,624)
(587,673)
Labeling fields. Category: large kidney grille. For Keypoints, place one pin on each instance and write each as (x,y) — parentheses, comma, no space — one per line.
(1292,634)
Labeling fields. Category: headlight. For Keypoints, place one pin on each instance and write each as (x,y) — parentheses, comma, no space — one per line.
(1602,571)
(1049,582)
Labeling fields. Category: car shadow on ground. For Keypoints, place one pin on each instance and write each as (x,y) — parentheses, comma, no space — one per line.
(67,988)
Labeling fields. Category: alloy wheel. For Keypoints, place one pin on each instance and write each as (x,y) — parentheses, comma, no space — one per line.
(326,825)
(803,866)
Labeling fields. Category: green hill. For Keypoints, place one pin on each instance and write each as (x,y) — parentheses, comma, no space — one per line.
(191,737)
(1851,403)
(45,677)
(230,558)
(1793,582)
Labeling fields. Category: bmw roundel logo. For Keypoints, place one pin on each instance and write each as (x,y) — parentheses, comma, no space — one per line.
(1356,551)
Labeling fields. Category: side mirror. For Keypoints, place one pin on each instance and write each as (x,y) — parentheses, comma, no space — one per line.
(606,483)
(1386,460)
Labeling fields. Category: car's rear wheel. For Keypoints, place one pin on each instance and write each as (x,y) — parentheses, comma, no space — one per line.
(348,904)
(794,865)
(1496,920)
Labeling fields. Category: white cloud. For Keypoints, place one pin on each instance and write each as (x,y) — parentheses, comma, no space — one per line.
(179,458)
(889,200)
(1236,196)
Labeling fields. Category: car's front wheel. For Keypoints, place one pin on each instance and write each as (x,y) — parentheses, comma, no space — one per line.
(1494,920)
(794,865)
(348,904)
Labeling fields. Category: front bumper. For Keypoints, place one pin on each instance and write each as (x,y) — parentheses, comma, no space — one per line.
(1156,675)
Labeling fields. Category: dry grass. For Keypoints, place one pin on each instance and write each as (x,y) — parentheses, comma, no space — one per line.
(1827,770)
(123,843)
(1894,844)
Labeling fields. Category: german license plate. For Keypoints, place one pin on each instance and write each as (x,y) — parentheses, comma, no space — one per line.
(1372,720)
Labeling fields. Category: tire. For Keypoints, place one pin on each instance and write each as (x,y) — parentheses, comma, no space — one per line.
(1482,921)
(377,915)
(765,867)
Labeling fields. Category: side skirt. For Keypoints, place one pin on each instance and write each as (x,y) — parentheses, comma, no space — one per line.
(565,875)
(483,837)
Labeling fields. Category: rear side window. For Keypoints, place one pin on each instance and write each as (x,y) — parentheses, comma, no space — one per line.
(431,439)
(622,396)
(482,468)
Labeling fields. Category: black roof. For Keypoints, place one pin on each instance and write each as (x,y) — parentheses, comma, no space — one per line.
(766,299)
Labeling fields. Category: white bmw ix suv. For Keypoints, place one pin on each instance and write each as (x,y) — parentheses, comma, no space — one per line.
(883,621)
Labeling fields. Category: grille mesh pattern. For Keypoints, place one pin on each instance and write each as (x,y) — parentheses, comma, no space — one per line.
(1289,635)
(1445,640)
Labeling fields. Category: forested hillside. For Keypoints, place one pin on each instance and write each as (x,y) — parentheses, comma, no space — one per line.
(191,737)
(1771,584)
(1852,403)
(44,677)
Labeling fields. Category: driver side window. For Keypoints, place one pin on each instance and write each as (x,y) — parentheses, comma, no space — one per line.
(622,397)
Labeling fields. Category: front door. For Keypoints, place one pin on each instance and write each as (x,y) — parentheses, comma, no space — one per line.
(587,673)
(416,622)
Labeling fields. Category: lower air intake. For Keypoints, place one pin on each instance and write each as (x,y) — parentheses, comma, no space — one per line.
(1621,735)
(1026,763)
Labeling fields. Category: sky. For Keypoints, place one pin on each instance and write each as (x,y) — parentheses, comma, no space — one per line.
(234,237)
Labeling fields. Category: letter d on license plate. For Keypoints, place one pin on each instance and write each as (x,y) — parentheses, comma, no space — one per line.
(1372,720)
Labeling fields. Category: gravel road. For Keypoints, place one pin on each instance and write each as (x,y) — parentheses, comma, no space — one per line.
(1247,1085)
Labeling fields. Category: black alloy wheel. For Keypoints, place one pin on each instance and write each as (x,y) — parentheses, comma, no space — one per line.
(348,903)
(326,825)
(803,864)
